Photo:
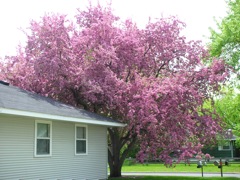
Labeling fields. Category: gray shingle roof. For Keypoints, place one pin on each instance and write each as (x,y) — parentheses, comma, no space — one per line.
(14,98)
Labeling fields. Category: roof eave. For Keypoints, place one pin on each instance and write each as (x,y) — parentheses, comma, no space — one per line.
(59,118)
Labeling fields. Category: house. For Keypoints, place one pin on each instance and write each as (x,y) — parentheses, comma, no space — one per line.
(225,148)
(41,138)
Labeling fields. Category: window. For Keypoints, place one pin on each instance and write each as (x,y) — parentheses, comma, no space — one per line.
(81,139)
(224,146)
(43,138)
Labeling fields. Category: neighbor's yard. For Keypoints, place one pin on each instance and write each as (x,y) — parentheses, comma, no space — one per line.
(158,167)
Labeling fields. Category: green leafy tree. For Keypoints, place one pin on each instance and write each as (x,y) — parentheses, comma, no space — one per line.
(225,41)
(228,107)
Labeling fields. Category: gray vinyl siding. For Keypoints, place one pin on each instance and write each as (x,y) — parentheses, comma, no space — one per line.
(17,161)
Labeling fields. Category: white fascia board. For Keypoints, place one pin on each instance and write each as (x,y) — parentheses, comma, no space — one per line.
(59,118)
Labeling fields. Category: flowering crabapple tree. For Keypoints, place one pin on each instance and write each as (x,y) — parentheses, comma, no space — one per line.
(151,79)
(201,156)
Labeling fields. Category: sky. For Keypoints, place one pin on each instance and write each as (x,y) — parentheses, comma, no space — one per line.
(197,14)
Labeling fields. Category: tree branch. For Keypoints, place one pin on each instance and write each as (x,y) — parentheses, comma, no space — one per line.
(78,99)
(129,147)
(149,47)
(159,69)
(128,75)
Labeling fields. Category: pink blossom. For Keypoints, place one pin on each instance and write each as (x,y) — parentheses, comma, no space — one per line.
(198,157)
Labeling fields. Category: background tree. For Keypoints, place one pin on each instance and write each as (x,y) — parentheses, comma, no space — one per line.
(228,107)
(152,79)
(225,41)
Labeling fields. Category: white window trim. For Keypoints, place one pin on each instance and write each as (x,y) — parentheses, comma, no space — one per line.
(81,125)
(220,147)
(35,146)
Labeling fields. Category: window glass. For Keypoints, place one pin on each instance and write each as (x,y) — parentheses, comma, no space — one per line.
(43,146)
(43,130)
(81,146)
(81,132)
(226,146)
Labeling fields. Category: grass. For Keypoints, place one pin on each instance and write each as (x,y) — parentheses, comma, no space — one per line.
(173,178)
(158,167)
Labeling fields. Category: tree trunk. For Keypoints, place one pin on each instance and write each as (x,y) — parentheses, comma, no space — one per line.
(116,170)
(116,153)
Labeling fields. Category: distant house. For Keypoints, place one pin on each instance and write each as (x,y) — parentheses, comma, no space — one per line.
(225,148)
(41,138)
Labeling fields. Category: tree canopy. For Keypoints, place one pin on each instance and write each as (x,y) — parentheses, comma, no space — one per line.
(152,79)
(225,41)
(228,107)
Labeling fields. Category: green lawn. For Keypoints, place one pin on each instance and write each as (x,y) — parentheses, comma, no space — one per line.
(158,167)
(174,178)
(154,167)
